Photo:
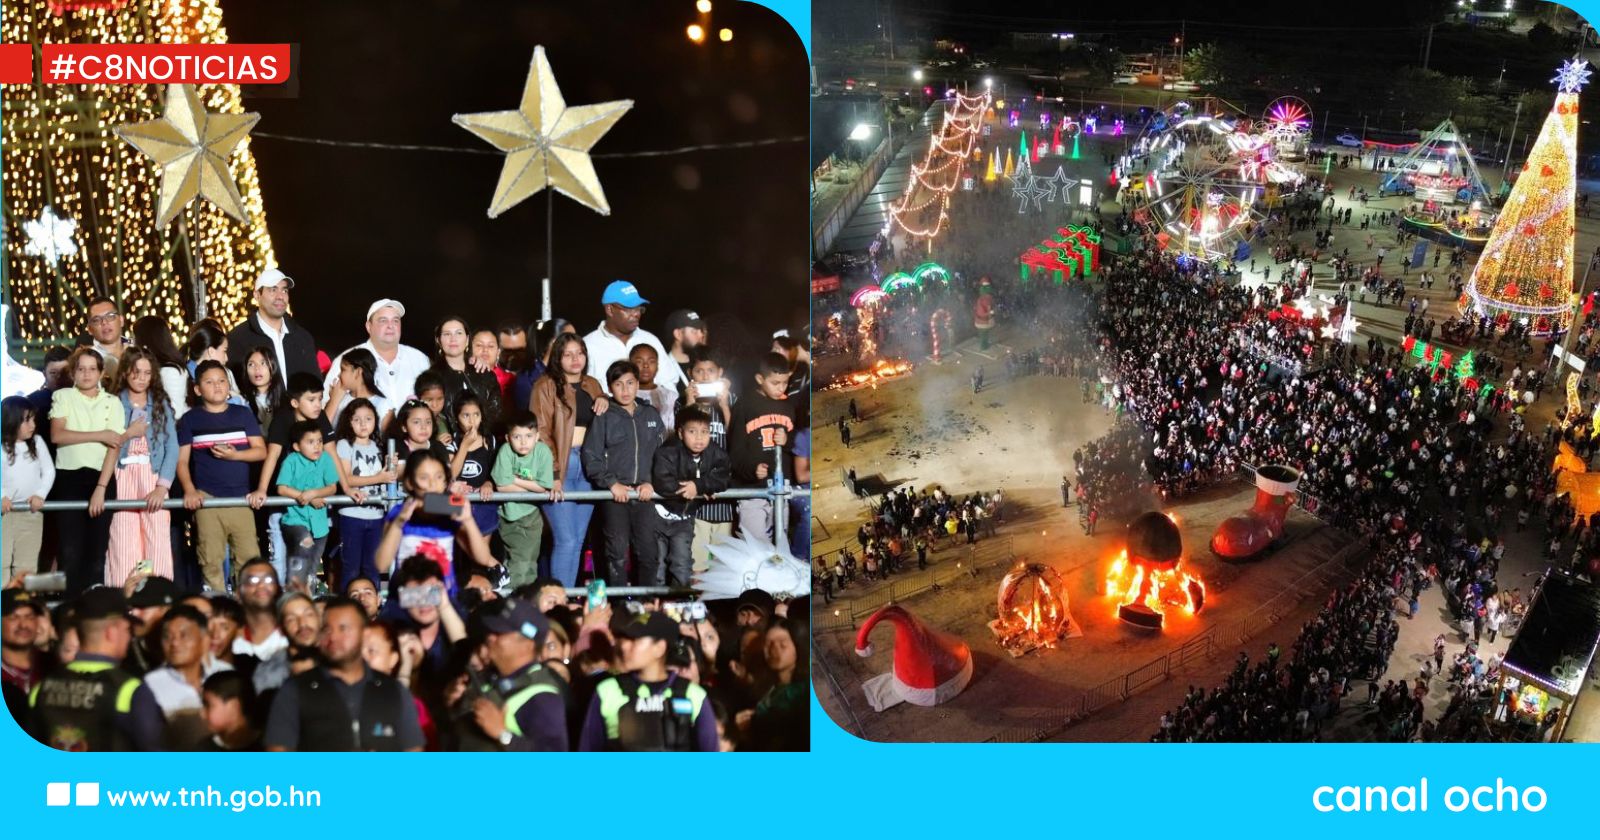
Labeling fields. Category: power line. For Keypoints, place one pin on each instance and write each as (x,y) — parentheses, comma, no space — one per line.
(415,147)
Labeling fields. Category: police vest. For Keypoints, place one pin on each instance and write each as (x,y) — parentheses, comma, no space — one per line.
(325,724)
(75,709)
(510,695)
(639,720)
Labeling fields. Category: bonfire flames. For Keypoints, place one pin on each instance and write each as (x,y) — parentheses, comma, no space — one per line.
(1145,582)
(882,370)
(1033,610)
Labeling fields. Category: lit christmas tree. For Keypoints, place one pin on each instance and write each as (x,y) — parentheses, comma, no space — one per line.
(60,152)
(1525,271)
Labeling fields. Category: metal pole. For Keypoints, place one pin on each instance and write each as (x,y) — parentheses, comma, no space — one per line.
(1505,173)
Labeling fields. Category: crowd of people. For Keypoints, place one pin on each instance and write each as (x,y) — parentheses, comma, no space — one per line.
(904,527)
(427,583)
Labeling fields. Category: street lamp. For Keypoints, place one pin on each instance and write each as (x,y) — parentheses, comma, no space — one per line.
(703,6)
(697,33)
(917,74)
(988,82)
(861,132)
(725,35)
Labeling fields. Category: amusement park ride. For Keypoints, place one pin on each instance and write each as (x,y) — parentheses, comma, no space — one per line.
(1201,176)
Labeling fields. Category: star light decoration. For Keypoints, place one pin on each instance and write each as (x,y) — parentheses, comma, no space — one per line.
(546,142)
(192,146)
(50,236)
(1057,184)
(1573,75)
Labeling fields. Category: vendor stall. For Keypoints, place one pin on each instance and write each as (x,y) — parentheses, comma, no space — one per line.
(1549,658)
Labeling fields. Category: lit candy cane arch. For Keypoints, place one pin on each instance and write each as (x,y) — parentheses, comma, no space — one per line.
(924,208)
(941,318)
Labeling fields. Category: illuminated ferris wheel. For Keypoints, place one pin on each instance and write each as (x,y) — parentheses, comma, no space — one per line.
(1195,197)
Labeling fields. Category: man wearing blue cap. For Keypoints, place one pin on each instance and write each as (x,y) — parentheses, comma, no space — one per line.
(619,333)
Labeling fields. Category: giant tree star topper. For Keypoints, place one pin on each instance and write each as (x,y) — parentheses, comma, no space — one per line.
(546,143)
(1573,75)
(192,147)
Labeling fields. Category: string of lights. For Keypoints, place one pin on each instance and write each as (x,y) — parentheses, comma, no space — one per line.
(418,147)
(924,208)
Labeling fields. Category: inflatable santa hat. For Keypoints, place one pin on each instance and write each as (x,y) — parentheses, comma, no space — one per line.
(930,667)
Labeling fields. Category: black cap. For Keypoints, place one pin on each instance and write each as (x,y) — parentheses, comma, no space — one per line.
(12,600)
(685,318)
(654,625)
(101,602)
(155,592)
(514,615)
(759,600)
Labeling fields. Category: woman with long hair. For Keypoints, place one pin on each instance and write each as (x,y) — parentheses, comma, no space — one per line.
(780,719)
(87,425)
(147,463)
(565,402)
(358,379)
(537,357)
(459,371)
(153,334)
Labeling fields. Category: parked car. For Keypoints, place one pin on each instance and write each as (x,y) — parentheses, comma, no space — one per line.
(1180,86)
(1347,139)
(1125,79)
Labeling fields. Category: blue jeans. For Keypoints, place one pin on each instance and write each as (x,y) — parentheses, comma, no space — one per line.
(569,523)
(359,543)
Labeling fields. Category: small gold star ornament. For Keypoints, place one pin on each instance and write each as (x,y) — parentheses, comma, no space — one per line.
(192,147)
(546,142)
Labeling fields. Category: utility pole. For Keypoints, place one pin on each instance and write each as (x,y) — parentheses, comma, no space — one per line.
(1505,173)
(1183,35)
(1427,49)
(888,25)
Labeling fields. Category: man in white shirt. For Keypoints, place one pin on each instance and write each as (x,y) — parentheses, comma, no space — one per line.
(270,326)
(619,333)
(398,365)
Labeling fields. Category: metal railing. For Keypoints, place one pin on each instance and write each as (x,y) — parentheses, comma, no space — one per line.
(779,493)
(1120,688)
(843,613)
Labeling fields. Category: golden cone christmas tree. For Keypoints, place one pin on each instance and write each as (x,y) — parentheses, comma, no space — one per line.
(1525,271)
(82,206)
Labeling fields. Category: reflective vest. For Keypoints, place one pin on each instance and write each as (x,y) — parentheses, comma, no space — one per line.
(75,709)
(510,694)
(639,720)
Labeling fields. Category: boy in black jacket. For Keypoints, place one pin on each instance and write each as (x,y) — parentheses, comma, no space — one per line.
(686,472)
(758,440)
(618,453)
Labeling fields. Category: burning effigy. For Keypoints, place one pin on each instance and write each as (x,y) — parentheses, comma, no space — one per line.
(1145,580)
(1033,610)
(882,370)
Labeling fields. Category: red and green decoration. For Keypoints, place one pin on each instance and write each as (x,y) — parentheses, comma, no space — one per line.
(1074,251)
(1440,360)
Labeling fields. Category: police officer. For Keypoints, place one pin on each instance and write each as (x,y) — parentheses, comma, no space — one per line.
(342,705)
(91,704)
(649,708)
(520,707)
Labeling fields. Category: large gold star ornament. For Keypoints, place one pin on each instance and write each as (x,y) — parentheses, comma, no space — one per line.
(192,147)
(546,143)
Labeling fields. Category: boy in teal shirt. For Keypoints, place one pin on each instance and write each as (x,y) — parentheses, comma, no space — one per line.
(524,464)
(308,478)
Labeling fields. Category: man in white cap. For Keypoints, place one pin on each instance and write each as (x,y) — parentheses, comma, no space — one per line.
(271,326)
(619,333)
(398,364)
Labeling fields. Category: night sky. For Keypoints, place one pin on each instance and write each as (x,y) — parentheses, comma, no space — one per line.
(719,231)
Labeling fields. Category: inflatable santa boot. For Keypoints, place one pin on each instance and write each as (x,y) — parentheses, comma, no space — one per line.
(1249,533)
(930,667)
